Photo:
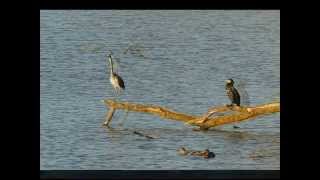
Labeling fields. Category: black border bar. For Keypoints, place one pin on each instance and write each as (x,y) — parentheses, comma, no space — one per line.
(160,174)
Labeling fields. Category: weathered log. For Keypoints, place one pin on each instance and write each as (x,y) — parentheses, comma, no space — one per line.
(204,121)
(243,113)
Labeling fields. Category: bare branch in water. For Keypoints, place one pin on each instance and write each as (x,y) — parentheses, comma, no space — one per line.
(205,121)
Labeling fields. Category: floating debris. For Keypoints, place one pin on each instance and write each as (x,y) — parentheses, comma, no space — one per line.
(205,154)
(183,151)
(135,49)
(263,153)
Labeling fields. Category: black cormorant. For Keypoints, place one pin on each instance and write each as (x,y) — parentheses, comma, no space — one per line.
(232,92)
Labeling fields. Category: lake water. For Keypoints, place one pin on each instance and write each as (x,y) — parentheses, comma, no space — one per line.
(177,59)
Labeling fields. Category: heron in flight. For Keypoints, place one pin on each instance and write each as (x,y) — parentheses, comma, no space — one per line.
(116,81)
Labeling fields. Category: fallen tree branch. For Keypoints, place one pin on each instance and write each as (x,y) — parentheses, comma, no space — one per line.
(109,116)
(204,121)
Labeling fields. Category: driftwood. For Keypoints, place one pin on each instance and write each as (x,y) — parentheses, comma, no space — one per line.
(205,154)
(206,121)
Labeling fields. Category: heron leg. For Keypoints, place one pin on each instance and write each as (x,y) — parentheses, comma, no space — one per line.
(118,91)
(115,91)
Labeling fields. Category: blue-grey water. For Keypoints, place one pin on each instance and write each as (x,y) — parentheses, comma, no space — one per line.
(177,59)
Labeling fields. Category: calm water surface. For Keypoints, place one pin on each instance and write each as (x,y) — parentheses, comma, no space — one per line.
(177,59)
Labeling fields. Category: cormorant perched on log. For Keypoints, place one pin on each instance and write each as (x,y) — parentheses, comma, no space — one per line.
(116,81)
(232,92)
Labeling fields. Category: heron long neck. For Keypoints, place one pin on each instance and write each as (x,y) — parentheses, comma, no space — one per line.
(111,65)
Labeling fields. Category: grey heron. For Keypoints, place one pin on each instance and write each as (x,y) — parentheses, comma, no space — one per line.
(116,81)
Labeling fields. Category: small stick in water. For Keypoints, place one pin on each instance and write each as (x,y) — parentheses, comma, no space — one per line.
(140,134)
